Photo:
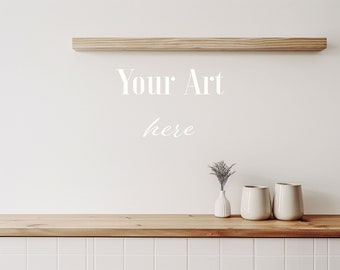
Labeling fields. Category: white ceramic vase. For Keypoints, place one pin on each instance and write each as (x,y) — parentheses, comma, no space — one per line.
(255,203)
(222,205)
(288,202)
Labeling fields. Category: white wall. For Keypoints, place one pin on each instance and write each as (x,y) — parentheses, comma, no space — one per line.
(71,143)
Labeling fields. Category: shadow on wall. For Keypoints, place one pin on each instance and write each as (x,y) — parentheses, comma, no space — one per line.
(317,202)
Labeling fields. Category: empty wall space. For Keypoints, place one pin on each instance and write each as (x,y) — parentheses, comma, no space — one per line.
(69,137)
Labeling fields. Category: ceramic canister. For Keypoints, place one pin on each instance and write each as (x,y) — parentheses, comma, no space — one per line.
(288,202)
(255,203)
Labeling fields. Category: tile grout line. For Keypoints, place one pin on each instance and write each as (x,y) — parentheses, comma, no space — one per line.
(154,254)
(94,264)
(86,254)
(124,254)
(58,256)
(314,257)
(187,253)
(26,244)
(284,254)
(328,259)
(219,253)
(254,265)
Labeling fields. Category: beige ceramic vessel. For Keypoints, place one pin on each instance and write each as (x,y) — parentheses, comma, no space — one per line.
(288,202)
(255,203)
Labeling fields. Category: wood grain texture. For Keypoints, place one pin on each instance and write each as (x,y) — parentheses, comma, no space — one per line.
(199,44)
(165,226)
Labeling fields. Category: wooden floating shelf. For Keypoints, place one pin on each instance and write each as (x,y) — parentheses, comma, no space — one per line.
(199,44)
(165,226)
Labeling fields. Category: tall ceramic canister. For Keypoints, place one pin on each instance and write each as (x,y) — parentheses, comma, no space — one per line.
(255,203)
(288,201)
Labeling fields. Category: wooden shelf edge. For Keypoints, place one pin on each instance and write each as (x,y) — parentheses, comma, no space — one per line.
(205,226)
(200,44)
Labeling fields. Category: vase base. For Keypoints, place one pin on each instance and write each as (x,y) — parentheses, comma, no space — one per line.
(226,216)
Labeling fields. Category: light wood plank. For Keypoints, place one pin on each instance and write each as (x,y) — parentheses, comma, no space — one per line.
(199,44)
(165,226)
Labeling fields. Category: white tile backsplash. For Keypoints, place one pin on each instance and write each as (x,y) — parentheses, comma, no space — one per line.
(13,245)
(334,247)
(320,263)
(320,246)
(139,262)
(139,246)
(173,262)
(203,262)
(171,246)
(299,247)
(237,246)
(334,263)
(79,253)
(108,262)
(41,262)
(236,262)
(299,263)
(203,253)
(109,246)
(269,263)
(72,245)
(269,247)
(203,246)
(13,262)
(42,245)
(72,262)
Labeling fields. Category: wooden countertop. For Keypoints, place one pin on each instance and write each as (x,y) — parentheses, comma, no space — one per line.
(165,226)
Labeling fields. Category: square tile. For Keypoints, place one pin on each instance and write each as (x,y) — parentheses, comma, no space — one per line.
(269,263)
(171,246)
(299,263)
(269,247)
(41,262)
(72,262)
(72,245)
(203,246)
(237,263)
(13,245)
(42,245)
(237,246)
(171,263)
(104,262)
(334,246)
(334,263)
(139,246)
(109,246)
(320,246)
(199,262)
(320,263)
(13,262)
(139,262)
(299,247)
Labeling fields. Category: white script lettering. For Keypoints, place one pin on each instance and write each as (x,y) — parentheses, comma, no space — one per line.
(176,131)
